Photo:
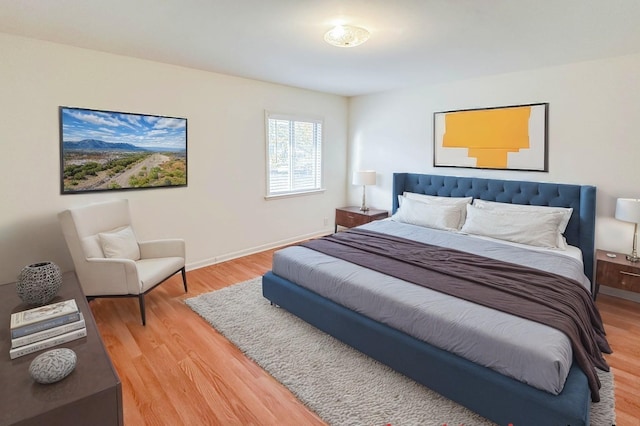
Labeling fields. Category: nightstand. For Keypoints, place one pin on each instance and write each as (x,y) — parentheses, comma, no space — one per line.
(353,216)
(616,272)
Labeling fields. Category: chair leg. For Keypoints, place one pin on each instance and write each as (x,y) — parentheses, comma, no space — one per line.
(142,312)
(184,278)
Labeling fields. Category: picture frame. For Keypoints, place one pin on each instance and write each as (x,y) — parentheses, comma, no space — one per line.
(118,151)
(513,137)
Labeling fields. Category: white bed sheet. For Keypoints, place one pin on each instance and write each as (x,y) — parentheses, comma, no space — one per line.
(570,251)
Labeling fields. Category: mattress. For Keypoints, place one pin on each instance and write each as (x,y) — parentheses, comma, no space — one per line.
(527,351)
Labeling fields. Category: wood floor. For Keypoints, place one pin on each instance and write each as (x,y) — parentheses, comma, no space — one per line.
(179,371)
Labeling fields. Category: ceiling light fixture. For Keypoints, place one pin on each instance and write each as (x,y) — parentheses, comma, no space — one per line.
(346,36)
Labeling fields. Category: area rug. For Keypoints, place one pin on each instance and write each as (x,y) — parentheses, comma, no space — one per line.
(340,384)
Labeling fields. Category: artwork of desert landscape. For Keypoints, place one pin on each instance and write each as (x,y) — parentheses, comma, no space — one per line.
(105,150)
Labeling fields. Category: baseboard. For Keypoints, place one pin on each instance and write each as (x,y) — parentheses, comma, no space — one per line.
(252,250)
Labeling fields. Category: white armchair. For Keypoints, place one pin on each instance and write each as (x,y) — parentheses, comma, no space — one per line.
(108,259)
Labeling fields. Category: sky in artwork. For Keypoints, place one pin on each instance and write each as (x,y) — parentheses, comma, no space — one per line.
(145,131)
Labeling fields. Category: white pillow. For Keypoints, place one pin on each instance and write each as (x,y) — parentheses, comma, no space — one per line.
(534,211)
(520,227)
(121,244)
(459,202)
(428,215)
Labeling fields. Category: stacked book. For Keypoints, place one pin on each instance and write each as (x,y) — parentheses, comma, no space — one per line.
(45,326)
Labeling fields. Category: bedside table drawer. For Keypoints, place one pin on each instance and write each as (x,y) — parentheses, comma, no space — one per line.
(618,276)
(353,216)
(350,219)
(630,281)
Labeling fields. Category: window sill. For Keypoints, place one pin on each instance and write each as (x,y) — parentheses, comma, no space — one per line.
(294,194)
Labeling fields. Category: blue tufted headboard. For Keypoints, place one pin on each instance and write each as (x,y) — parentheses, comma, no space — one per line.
(580,231)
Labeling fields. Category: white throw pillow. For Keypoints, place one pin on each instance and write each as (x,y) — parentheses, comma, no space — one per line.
(428,215)
(120,244)
(459,202)
(534,211)
(520,227)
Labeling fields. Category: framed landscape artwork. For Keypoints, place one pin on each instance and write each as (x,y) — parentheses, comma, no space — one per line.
(504,138)
(107,150)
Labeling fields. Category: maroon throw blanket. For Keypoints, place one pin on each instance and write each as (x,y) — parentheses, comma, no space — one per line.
(540,296)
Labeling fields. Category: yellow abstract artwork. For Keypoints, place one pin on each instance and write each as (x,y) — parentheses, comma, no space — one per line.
(495,138)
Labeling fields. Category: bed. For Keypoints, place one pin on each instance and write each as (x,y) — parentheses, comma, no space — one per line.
(492,394)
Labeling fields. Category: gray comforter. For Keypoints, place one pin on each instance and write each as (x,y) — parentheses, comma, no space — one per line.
(527,351)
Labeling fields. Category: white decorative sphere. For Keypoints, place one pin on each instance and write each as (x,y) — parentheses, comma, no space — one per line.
(53,366)
(39,283)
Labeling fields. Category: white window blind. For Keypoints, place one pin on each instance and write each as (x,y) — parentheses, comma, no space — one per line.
(294,155)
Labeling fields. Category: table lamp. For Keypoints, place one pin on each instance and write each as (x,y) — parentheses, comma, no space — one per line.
(364,178)
(628,209)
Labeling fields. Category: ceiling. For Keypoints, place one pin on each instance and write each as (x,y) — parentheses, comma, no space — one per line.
(281,41)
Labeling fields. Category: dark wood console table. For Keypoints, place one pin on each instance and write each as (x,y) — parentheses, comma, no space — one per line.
(90,395)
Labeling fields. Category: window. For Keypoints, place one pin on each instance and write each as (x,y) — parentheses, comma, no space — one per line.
(294,155)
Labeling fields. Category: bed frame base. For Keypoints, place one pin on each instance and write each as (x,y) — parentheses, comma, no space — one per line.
(484,391)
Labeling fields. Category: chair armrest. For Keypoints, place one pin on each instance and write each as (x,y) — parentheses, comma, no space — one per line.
(162,248)
(109,276)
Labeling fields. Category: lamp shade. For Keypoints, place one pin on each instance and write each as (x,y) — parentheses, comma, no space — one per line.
(364,177)
(628,209)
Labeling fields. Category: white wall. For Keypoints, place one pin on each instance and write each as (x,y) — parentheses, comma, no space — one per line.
(594,128)
(221,214)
